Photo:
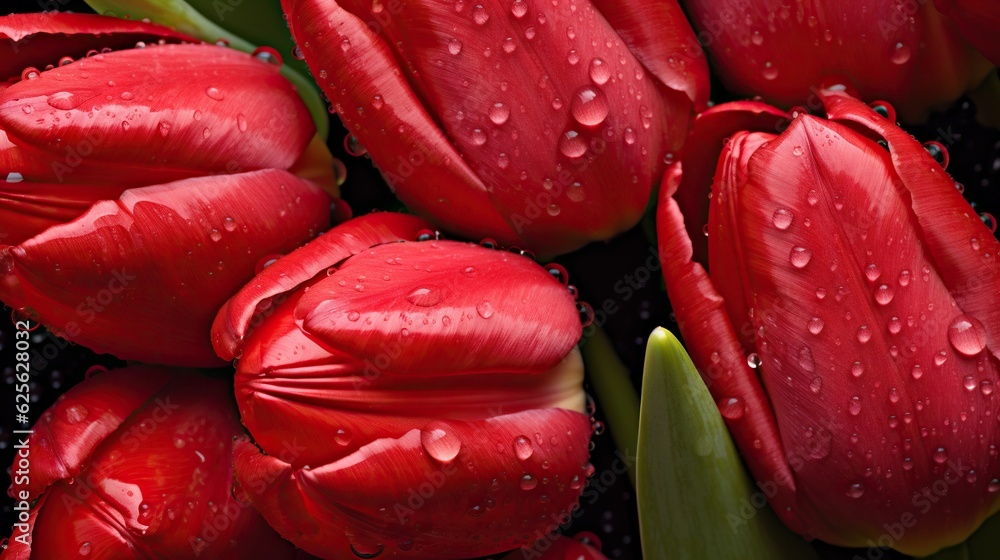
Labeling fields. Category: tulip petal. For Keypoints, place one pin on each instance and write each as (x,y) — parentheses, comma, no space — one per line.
(383,296)
(415,157)
(433,496)
(659,35)
(234,319)
(852,242)
(74,426)
(562,548)
(690,480)
(711,129)
(27,209)
(173,112)
(978,21)
(18,547)
(39,39)
(141,277)
(581,131)
(964,250)
(701,316)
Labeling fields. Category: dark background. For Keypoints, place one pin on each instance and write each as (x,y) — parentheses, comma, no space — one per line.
(975,162)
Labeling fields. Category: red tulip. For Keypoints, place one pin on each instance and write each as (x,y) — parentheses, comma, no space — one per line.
(136,463)
(850,272)
(543,126)
(978,20)
(144,185)
(417,398)
(900,51)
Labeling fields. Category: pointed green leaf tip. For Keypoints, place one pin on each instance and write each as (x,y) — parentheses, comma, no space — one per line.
(695,498)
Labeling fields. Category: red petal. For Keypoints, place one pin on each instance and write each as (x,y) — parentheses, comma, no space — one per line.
(234,319)
(401,136)
(852,330)
(27,209)
(560,548)
(528,326)
(173,112)
(141,277)
(659,35)
(715,350)
(37,40)
(726,256)
(16,548)
(910,56)
(75,425)
(174,498)
(700,155)
(396,495)
(948,224)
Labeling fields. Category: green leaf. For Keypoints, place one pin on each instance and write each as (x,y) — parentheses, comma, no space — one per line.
(246,25)
(695,498)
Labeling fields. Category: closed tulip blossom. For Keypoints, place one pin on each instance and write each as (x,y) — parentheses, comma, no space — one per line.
(434,387)
(142,186)
(540,125)
(906,53)
(847,324)
(137,463)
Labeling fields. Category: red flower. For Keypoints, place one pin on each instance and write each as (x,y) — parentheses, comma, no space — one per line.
(419,398)
(850,272)
(543,126)
(583,546)
(137,462)
(903,52)
(145,184)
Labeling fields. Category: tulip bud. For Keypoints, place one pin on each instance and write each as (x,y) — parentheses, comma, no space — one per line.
(542,126)
(421,398)
(848,327)
(146,183)
(133,460)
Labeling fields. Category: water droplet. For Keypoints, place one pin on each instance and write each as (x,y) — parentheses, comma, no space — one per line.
(30,73)
(425,297)
(770,72)
(900,54)
(895,325)
(485,309)
(553,209)
(917,372)
(85,548)
(589,106)
(855,491)
(499,113)
(857,368)
(342,437)
(454,46)
(855,406)
(523,448)
(872,272)
(904,278)
(215,235)
(756,38)
(994,486)
(782,218)
(864,334)
(509,45)
(940,455)
(479,15)
(806,361)
(883,294)
(969,382)
(799,257)
(731,408)
(440,441)
(815,325)
(600,71)
(214,93)
(268,55)
(967,335)
(753,360)
(367,551)
(816,385)
(528,482)
(894,395)
(572,145)
(63,100)
(519,8)
(478,137)
(986,387)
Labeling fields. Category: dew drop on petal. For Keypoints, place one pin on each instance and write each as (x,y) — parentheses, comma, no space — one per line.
(782,218)
(799,257)
(967,335)
(523,448)
(589,106)
(731,408)
(854,407)
(855,490)
(440,442)
(815,325)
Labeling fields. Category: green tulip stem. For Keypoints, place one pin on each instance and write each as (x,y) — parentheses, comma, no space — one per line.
(618,397)
(179,15)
